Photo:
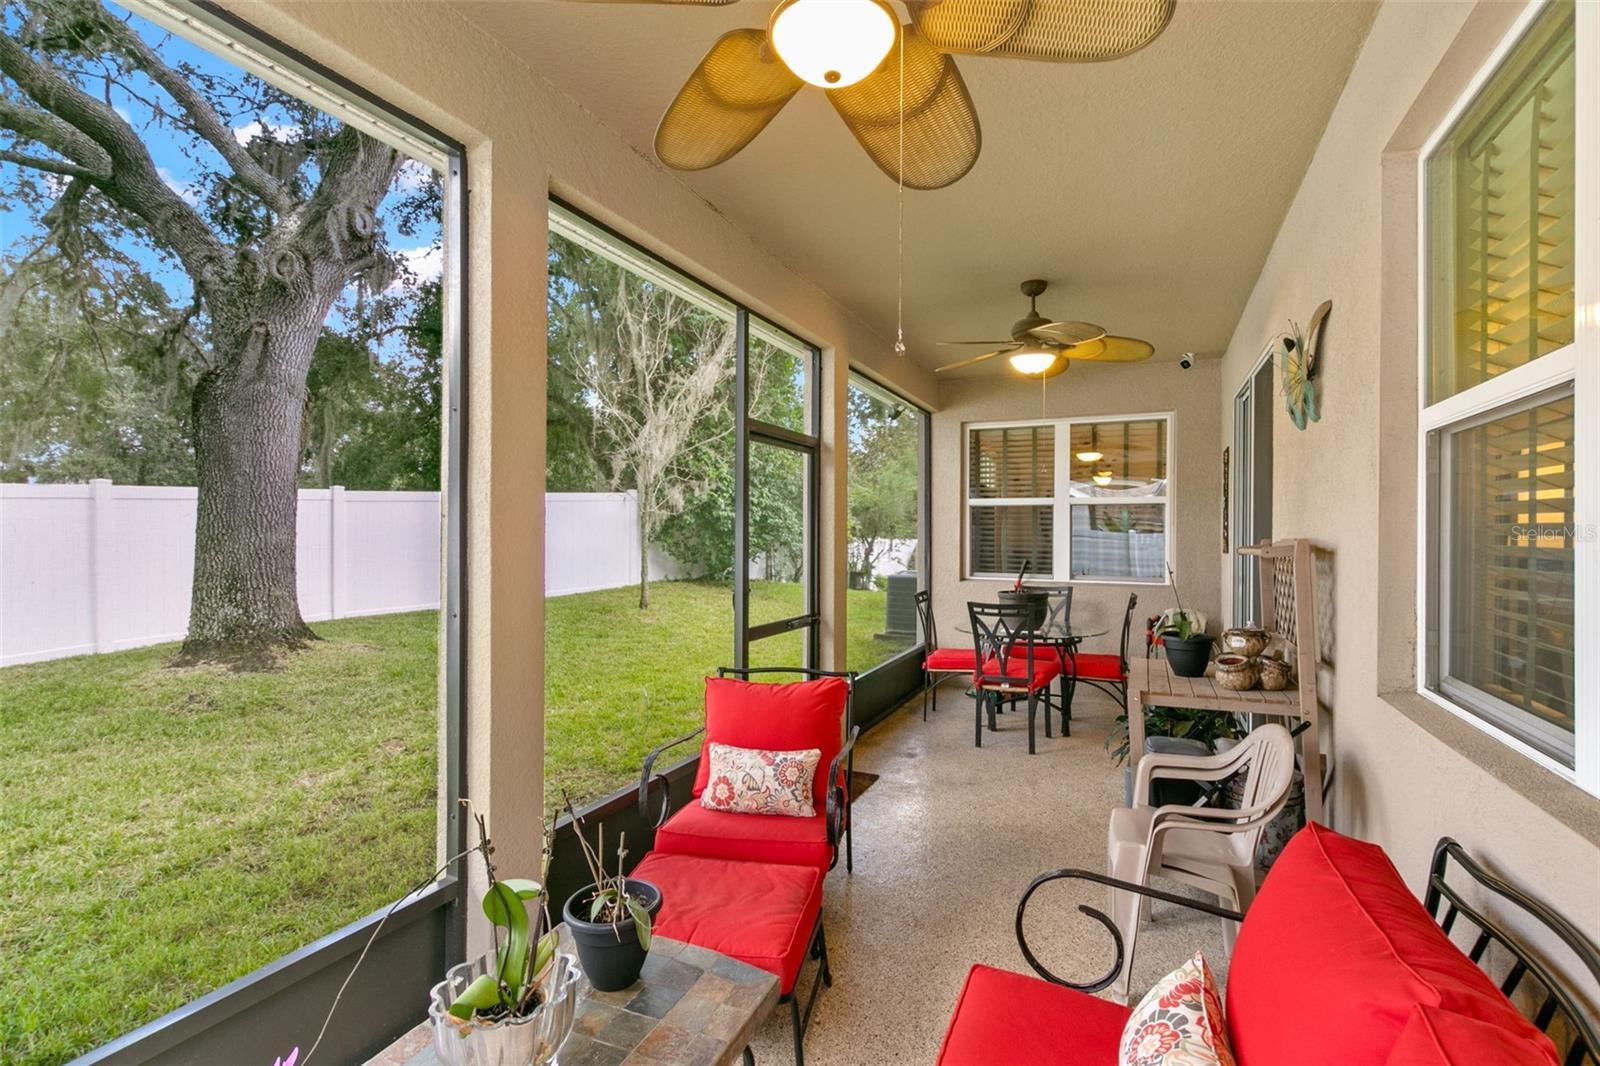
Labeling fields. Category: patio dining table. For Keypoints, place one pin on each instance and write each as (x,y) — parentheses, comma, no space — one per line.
(1066,637)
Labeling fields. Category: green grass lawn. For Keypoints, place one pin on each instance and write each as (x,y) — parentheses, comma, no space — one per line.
(619,681)
(165,830)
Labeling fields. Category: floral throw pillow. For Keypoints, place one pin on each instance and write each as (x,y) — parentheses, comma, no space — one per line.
(750,781)
(1178,1022)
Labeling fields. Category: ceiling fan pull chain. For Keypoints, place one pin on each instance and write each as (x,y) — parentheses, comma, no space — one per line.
(900,217)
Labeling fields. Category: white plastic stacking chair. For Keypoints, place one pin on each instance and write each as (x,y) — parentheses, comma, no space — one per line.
(1210,848)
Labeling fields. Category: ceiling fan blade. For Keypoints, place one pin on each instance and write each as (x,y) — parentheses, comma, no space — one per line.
(942,138)
(1069,332)
(1062,31)
(953,343)
(731,96)
(975,359)
(677,3)
(1109,349)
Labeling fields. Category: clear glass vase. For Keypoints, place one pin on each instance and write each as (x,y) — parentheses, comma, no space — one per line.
(530,1041)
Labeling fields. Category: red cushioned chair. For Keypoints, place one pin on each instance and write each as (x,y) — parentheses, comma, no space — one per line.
(938,664)
(1337,964)
(1014,665)
(813,713)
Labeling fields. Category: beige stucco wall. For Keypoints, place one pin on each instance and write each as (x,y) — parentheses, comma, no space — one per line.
(1405,772)
(525,140)
(1088,390)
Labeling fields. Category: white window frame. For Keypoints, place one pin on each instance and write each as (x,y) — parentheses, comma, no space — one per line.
(1062,503)
(1572,367)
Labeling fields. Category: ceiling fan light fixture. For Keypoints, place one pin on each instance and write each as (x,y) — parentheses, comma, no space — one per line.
(1090,457)
(832,43)
(1102,478)
(1033,361)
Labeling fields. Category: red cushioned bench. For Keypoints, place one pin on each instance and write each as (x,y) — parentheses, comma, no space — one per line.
(1336,963)
(766,914)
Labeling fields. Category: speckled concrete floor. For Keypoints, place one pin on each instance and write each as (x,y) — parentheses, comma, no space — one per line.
(946,841)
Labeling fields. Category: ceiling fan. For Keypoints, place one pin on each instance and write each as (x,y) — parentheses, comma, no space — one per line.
(852,49)
(1040,348)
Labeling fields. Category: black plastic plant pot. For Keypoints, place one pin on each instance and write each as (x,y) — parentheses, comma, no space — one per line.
(1027,608)
(1187,657)
(610,953)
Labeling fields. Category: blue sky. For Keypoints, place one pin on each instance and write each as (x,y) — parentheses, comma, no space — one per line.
(167,149)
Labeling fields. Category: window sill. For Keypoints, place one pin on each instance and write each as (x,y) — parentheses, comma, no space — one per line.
(1545,789)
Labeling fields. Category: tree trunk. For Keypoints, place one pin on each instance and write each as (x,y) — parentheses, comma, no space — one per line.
(247,421)
(644,554)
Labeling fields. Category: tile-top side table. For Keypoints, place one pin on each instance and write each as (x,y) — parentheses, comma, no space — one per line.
(690,1007)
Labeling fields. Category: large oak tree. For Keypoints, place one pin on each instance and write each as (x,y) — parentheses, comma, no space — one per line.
(268,241)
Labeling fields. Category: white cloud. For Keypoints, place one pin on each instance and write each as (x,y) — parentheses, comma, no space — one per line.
(413,176)
(424,264)
(189,194)
(246,134)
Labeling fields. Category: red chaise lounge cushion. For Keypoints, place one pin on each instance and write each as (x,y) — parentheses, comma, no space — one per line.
(759,913)
(1334,955)
(1007,1017)
(694,830)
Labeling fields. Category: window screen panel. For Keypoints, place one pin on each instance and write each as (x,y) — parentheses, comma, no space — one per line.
(1119,541)
(1501,216)
(1002,539)
(1510,578)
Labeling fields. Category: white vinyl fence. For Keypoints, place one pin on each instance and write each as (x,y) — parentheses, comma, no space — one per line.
(591,541)
(103,567)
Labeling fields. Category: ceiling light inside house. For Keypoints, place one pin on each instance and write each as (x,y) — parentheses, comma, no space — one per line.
(1090,457)
(1102,477)
(1033,360)
(832,43)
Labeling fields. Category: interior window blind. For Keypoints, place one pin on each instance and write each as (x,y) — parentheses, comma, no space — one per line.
(1501,218)
(1012,462)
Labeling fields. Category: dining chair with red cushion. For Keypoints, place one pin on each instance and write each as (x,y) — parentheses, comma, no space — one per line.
(796,716)
(938,664)
(1013,665)
(1108,673)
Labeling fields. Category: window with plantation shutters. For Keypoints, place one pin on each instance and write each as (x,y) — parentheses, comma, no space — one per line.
(1504,391)
(1501,188)
(1010,491)
(1083,500)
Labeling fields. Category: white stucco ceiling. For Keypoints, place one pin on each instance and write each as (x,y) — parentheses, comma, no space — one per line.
(1147,191)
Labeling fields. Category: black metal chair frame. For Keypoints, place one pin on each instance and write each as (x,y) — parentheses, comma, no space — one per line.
(931,679)
(1558,1000)
(1117,690)
(838,820)
(998,643)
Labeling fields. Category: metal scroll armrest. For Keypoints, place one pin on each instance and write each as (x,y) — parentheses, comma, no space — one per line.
(1099,916)
(644,781)
(839,795)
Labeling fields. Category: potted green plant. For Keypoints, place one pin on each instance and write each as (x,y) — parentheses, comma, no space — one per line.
(610,918)
(1184,638)
(517,1003)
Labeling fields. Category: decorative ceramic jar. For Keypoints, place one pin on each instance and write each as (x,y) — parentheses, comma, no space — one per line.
(1236,672)
(1244,640)
(1275,674)
(506,1041)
